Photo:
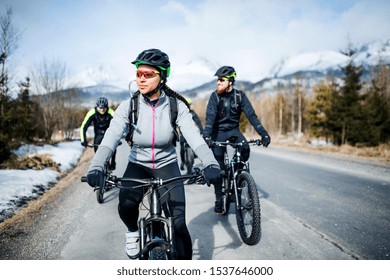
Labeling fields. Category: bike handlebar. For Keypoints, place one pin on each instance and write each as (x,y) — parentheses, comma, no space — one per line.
(97,145)
(92,145)
(257,142)
(197,177)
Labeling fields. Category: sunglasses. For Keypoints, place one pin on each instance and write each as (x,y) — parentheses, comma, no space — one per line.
(222,80)
(148,74)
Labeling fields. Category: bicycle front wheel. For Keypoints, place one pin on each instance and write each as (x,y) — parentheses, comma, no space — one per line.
(158,253)
(100,194)
(226,197)
(248,213)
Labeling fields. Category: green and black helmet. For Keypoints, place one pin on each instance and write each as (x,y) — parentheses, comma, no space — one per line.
(155,58)
(226,72)
(102,103)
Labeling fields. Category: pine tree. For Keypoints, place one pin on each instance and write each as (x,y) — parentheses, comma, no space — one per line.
(318,114)
(25,114)
(347,113)
(377,107)
(5,126)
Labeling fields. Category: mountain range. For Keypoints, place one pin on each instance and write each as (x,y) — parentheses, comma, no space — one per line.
(310,67)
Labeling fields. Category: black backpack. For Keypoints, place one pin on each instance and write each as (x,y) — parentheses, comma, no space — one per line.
(133,117)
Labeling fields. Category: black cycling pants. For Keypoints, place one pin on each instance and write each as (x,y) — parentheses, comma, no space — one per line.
(172,198)
(219,152)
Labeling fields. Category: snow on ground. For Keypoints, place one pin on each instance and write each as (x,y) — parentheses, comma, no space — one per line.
(20,186)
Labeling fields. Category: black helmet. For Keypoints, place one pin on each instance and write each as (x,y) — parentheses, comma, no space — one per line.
(102,103)
(155,58)
(227,72)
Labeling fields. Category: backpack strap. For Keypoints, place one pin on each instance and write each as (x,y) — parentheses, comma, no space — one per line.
(237,97)
(173,104)
(133,118)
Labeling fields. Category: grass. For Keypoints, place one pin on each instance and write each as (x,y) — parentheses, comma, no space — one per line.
(380,153)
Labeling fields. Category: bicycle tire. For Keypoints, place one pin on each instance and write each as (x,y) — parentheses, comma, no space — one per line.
(100,194)
(248,213)
(158,253)
(190,157)
(226,196)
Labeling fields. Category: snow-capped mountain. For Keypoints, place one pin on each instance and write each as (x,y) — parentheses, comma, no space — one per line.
(195,79)
(90,94)
(311,67)
(192,74)
(372,53)
(312,61)
(91,76)
(367,55)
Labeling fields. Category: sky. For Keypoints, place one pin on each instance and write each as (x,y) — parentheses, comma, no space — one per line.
(97,40)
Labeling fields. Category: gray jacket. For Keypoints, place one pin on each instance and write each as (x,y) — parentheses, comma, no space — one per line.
(152,140)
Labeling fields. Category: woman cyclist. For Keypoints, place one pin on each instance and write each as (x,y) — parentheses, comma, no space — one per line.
(153,153)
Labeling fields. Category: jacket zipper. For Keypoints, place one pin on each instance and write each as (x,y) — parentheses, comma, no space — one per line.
(153,132)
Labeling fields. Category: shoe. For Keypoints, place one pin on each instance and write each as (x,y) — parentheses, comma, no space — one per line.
(132,243)
(218,207)
(182,166)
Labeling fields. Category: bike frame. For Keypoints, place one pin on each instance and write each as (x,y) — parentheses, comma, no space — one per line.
(232,165)
(232,171)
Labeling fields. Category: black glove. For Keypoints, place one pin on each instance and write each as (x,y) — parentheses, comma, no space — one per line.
(212,174)
(84,143)
(209,142)
(266,139)
(95,178)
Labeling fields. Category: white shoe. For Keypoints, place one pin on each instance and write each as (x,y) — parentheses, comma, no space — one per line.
(132,243)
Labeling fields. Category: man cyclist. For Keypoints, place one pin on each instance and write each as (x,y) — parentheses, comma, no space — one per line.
(182,140)
(223,113)
(100,116)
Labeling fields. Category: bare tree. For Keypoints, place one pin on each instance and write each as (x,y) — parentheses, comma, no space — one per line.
(50,82)
(9,38)
(298,98)
(71,116)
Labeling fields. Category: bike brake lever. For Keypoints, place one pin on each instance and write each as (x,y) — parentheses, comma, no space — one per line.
(198,179)
(191,181)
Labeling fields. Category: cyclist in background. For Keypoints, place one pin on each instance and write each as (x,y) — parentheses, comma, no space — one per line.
(153,152)
(100,116)
(182,140)
(223,113)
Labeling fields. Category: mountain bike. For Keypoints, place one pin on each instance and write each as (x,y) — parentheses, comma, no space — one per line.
(157,240)
(239,187)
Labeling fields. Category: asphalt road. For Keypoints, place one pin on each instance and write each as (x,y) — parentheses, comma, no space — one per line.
(313,208)
(346,201)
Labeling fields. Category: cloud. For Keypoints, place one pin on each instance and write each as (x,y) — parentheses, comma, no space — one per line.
(251,35)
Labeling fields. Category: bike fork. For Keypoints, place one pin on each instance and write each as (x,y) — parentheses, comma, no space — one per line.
(235,187)
(172,250)
(142,231)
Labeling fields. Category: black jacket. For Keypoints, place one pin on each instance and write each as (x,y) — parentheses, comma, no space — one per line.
(224,111)
(100,122)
